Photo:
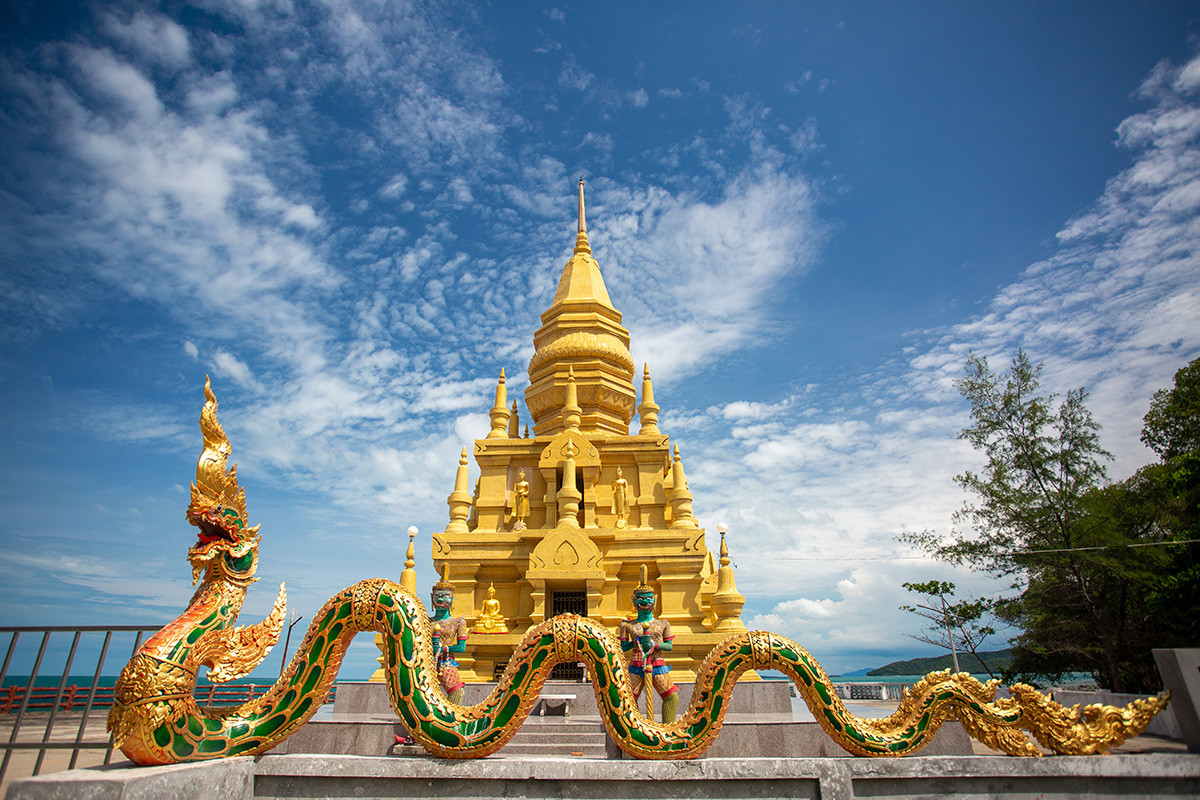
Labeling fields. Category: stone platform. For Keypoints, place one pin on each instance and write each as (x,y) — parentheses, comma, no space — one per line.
(1158,776)
(760,723)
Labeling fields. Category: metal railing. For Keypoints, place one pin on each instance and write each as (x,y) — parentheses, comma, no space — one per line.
(47,741)
(41,715)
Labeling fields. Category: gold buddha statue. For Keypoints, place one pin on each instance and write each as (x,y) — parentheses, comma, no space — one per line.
(490,619)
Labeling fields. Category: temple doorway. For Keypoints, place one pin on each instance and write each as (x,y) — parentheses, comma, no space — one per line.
(568,601)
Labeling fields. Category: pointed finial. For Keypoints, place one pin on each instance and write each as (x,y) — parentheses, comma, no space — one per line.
(514,422)
(648,410)
(572,413)
(499,413)
(408,578)
(526,430)
(581,237)
(582,216)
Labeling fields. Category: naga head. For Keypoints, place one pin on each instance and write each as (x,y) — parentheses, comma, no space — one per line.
(226,548)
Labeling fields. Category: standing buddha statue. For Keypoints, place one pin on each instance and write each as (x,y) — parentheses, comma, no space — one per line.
(644,639)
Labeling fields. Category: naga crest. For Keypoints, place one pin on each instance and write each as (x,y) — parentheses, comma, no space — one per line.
(218,508)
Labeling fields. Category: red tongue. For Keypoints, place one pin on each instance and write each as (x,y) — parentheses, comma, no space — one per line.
(206,538)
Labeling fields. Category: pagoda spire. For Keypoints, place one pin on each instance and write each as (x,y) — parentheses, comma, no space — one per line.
(648,410)
(499,412)
(727,601)
(581,329)
(581,238)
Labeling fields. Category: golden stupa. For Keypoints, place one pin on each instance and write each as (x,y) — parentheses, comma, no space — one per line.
(562,521)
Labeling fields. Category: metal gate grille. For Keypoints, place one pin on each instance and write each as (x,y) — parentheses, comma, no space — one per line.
(568,602)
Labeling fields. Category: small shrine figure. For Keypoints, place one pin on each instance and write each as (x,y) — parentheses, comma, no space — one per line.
(449,637)
(520,502)
(645,639)
(620,501)
(490,619)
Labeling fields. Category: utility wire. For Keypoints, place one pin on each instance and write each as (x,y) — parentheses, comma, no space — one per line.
(1013,553)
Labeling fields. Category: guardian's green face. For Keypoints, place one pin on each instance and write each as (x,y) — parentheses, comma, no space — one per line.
(643,601)
(443,598)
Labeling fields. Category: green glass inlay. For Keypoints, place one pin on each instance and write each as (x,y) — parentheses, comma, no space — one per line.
(641,737)
(181,747)
(408,644)
(420,704)
(314,677)
(343,611)
(823,692)
(922,724)
(269,726)
(213,725)
(162,735)
(833,720)
(241,563)
(443,736)
(210,746)
(506,711)
(194,727)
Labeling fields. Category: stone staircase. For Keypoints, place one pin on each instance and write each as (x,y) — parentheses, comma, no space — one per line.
(562,737)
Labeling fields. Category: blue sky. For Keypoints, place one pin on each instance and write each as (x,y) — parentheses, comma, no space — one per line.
(351,215)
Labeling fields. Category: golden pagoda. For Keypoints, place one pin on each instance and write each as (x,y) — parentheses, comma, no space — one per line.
(563,520)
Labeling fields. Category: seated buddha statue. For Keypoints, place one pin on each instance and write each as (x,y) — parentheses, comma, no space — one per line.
(490,619)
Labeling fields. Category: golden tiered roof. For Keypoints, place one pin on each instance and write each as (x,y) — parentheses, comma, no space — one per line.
(563,521)
(581,329)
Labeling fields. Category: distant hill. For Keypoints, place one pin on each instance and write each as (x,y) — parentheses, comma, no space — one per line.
(996,660)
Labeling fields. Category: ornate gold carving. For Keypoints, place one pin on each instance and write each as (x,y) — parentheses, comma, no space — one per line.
(565,637)
(580,345)
(233,653)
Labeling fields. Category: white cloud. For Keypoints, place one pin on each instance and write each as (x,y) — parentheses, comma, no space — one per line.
(152,36)
(574,77)
(227,365)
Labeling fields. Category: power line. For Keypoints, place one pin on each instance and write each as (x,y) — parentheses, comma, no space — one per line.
(1012,553)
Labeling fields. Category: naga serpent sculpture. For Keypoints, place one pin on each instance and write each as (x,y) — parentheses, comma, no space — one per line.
(155,718)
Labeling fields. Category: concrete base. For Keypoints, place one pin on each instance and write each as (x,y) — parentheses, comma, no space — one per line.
(1180,671)
(1158,776)
(229,779)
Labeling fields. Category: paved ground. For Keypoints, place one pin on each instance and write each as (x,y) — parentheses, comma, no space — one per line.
(66,727)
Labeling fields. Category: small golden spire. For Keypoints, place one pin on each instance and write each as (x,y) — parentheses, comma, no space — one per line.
(572,413)
(726,602)
(459,501)
(499,413)
(648,410)
(408,578)
(581,237)
(514,422)
(680,497)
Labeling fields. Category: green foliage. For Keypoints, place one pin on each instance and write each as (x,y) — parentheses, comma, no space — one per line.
(956,626)
(1089,594)
(991,662)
